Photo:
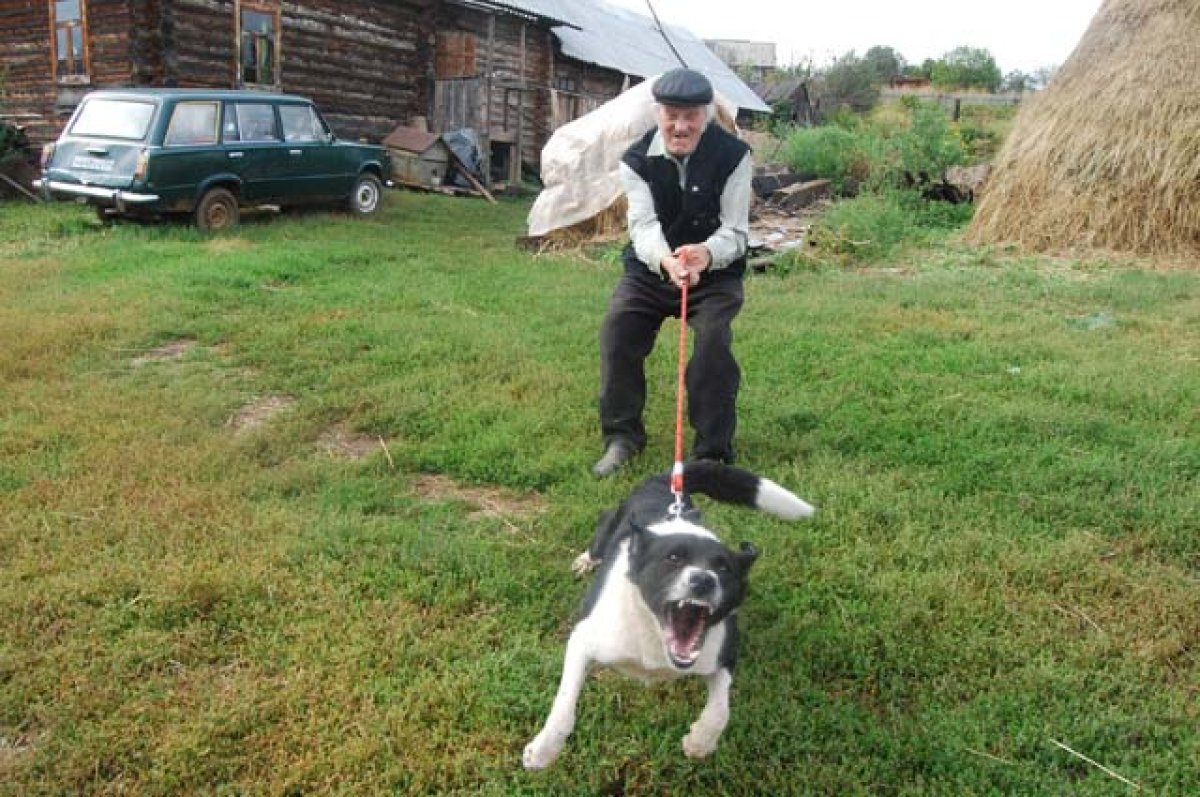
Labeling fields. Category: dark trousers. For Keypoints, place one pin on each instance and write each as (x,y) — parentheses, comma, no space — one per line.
(638,307)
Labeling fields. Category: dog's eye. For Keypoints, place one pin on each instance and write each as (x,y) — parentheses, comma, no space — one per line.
(674,558)
(722,567)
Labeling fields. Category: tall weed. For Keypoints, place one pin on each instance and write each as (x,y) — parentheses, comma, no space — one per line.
(877,152)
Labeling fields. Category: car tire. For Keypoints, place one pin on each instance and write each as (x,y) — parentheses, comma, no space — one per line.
(217,210)
(366,196)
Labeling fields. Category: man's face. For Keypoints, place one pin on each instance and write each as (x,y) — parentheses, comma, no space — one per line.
(681,127)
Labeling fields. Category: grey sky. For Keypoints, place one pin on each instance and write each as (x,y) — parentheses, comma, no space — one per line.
(1020,34)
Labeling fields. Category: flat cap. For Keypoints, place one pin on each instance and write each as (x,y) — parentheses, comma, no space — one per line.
(682,87)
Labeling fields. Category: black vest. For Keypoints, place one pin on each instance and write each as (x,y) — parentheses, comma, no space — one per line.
(687,216)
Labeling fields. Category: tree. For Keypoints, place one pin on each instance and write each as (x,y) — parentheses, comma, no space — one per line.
(1017,81)
(850,82)
(886,62)
(1041,76)
(965,68)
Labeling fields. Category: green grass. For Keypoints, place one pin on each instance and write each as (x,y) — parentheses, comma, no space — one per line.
(1005,453)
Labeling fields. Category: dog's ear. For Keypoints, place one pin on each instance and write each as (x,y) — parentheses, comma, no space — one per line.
(637,538)
(746,555)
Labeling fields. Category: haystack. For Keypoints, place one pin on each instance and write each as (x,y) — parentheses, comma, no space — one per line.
(1108,156)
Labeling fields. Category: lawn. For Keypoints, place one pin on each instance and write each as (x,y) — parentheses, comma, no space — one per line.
(290,511)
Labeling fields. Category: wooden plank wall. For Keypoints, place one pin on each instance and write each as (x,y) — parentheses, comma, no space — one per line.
(514,59)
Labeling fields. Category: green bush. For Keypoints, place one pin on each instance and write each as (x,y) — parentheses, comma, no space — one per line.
(830,151)
(924,146)
(872,227)
(880,152)
(14,146)
(866,227)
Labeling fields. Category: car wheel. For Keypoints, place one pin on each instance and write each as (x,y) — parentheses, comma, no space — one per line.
(217,210)
(367,193)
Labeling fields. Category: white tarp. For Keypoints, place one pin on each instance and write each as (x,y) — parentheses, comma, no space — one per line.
(580,162)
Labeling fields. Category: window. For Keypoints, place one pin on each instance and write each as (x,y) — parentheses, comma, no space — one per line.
(70,35)
(255,122)
(301,123)
(113,119)
(259,46)
(193,123)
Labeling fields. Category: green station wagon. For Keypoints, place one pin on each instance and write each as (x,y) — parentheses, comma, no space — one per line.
(151,152)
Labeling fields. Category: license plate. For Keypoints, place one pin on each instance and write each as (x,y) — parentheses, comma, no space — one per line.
(92,164)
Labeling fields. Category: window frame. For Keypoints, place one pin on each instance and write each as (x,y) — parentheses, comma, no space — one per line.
(318,128)
(84,76)
(271,10)
(236,106)
(187,104)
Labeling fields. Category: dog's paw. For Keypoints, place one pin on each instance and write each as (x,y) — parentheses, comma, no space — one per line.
(584,564)
(700,743)
(539,754)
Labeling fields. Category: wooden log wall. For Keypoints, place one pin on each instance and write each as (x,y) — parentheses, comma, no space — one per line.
(31,97)
(199,43)
(366,64)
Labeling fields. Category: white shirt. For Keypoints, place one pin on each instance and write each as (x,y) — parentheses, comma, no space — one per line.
(726,244)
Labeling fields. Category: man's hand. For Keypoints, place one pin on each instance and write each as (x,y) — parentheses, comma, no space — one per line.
(686,262)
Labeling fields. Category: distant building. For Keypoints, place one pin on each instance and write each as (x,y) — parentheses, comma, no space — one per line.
(757,58)
(909,82)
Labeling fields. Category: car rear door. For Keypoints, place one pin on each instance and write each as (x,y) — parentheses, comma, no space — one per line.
(190,153)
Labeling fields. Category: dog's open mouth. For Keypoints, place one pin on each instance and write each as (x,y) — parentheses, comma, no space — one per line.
(687,620)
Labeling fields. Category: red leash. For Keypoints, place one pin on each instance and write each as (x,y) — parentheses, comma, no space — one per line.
(677,472)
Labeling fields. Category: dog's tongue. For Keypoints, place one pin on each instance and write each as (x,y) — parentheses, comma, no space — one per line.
(687,626)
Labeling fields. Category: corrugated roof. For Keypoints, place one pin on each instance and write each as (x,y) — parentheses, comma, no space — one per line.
(628,42)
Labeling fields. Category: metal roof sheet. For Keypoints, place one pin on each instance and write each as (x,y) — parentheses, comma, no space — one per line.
(629,42)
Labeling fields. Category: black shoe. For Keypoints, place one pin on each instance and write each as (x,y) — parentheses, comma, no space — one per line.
(615,456)
(725,459)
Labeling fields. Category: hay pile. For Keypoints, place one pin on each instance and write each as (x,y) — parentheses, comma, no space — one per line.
(1108,156)
(606,226)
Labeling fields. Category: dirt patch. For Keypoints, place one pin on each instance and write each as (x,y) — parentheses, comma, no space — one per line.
(342,442)
(168,351)
(221,246)
(15,746)
(258,412)
(489,502)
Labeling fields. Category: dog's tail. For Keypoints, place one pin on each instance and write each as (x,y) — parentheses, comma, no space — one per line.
(731,485)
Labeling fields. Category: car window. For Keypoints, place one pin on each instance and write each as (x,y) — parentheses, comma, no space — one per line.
(113,119)
(256,122)
(301,123)
(193,123)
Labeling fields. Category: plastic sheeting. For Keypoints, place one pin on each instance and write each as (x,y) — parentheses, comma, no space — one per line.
(465,145)
(580,162)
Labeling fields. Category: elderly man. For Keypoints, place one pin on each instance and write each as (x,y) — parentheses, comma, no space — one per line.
(688,186)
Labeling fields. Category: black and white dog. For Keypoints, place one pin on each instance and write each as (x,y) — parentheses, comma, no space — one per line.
(665,601)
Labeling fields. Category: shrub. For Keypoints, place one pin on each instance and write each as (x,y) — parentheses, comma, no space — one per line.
(14,146)
(925,145)
(887,150)
(829,151)
(872,227)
